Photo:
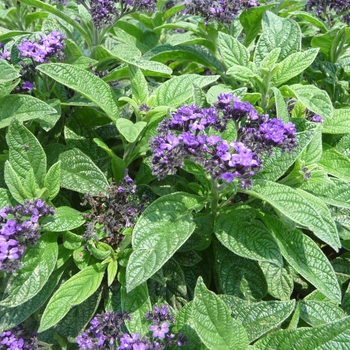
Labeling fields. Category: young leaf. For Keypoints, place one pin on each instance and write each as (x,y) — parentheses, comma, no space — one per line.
(163,227)
(258,318)
(232,51)
(129,130)
(299,208)
(25,152)
(281,106)
(14,184)
(84,82)
(37,265)
(304,255)
(112,270)
(213,322)
(73,292)
(139,85)
(238,231)
(79,173)
(53,179)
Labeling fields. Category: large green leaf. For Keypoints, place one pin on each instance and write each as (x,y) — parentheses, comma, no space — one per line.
(213,322)
(163,227)
(23,107)
(238,231)
(8,72)
(84,82)
(334,335)
(304,255)
(131,131)
(293,65)
(314,99)
(232,51)
(279,32)
(177,90)
(299,208)
(79,173)
(258,318)
(73,292)
(14,184)
(38,263)
(335,163)
(339,124)
(25,153)
(139,85)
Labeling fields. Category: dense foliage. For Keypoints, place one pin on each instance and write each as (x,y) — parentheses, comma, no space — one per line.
(175,174)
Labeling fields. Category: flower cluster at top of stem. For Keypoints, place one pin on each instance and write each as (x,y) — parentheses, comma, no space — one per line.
(116,210)
(20,227)
(17,339)
(222,10)
(321,8)
(192,133)
(41,51)
(106,331)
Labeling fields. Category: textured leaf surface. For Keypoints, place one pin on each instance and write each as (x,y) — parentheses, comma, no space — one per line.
(281,106)
(293,65)
(314,99)
(238,231)
(335,163)
(232,51)
(138,85)
(25,152)
(53,179)
(298,207)
(22,107)
(38,263)
(335,335)
(277,32)
(84,82)
(8,72)
(73,292)
(163,227)
(177,90)
(241,73)
(258,318)
(213,322)
(14,184)
(304,255)
(130,130)
(79,173)
(339,124)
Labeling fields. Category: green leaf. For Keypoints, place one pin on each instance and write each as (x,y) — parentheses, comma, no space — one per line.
(311,19)
(84,82)
(238,231)
(232,51)
(14,184)
(139,85)
(241,73)
(269,61)
(65,219)
(213,322)
(79,173)
(281,106)
(279,283)
(8,72)
(314,99)
(278,163)
(53,179)
(317,313)
(339,124)
(258,318)
(129,130)
(313,152)
(73,292)
(79,316)
(293,65)
(11,317)
(163,227)
(25,152)
(299,207)
(37,265)
(304,255)
(238,276)
(112,270)
(334,335)
(177,90)
(335,163)
(23,107)
(279,32)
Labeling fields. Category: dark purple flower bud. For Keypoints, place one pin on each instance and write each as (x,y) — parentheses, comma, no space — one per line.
(27,85)
(316,119)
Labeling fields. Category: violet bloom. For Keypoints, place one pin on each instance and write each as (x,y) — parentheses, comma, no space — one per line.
(159,331)
(27,85)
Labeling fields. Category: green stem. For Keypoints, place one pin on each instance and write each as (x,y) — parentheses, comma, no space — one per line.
(215,198)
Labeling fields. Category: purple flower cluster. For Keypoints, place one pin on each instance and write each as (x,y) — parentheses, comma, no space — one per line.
(4,53)
(116,210)
(103,12)
(322,8)
(221,10)
(18,339)
(41,51)
(20,227)
(106,331)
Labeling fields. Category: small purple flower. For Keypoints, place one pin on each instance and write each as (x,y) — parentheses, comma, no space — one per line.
(159,331)
(316,119)
(27,85)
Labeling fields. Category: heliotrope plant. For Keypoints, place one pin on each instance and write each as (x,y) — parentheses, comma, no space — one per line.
(174,174)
